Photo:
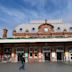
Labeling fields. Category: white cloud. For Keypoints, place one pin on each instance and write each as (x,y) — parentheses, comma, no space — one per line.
(16,16)
(24,14)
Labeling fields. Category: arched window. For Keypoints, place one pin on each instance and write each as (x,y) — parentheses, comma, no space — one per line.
(20,29)
(33,28)
(58,28)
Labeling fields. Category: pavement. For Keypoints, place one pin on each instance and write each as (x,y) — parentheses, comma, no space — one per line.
(36,67)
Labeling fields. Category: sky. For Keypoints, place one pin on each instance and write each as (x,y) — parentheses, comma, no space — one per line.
(15,12)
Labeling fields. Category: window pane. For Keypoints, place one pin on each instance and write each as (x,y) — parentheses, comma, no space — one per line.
(30,54)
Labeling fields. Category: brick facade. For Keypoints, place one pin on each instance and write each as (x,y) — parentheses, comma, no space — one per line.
(41,33)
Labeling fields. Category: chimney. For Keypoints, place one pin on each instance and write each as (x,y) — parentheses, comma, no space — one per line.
(5,33)
(14,32)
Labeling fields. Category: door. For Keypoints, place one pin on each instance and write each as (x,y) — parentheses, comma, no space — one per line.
(70,56)
(59,56)
(7,54)
(19,56)
(19,52)
(47,56)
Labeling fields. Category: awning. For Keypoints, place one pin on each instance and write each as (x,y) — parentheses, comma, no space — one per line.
(31,40)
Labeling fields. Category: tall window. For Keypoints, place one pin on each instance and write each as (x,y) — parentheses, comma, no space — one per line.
(7,50)
(30,53)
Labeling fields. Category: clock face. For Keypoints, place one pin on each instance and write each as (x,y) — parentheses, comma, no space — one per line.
(46,29)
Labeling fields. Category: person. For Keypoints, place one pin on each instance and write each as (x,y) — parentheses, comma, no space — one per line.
(22,59)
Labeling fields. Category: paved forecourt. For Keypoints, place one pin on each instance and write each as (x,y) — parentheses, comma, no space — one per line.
(41,67)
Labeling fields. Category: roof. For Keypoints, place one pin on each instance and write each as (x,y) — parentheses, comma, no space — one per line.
(36,24)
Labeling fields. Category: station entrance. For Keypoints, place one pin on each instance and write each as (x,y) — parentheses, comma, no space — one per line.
(47,56)
(19,52)
(60,54)
(46,51)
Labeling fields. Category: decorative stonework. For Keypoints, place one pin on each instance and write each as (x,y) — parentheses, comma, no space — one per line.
(44,27)
(44,30)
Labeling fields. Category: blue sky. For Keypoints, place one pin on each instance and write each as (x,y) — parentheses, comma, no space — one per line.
(15,12)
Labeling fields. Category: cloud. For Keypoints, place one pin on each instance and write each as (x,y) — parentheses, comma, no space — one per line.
(45,9)
(37,9)
(14,12)
(41,9)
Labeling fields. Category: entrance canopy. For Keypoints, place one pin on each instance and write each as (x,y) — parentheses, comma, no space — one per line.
(31,40)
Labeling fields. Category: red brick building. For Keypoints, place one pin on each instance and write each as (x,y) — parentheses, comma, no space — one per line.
(38,41)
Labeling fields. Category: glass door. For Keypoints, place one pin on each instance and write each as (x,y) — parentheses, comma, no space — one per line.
(7,54)
(19,52)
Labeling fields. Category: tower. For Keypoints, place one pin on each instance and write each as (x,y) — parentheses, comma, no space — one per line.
(5,33)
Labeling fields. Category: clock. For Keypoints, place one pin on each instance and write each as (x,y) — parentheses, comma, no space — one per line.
(46,29)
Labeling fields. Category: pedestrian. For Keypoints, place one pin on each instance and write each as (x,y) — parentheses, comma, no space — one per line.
(22,59)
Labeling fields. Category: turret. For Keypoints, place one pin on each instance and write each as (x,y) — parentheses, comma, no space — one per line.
(4,33)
